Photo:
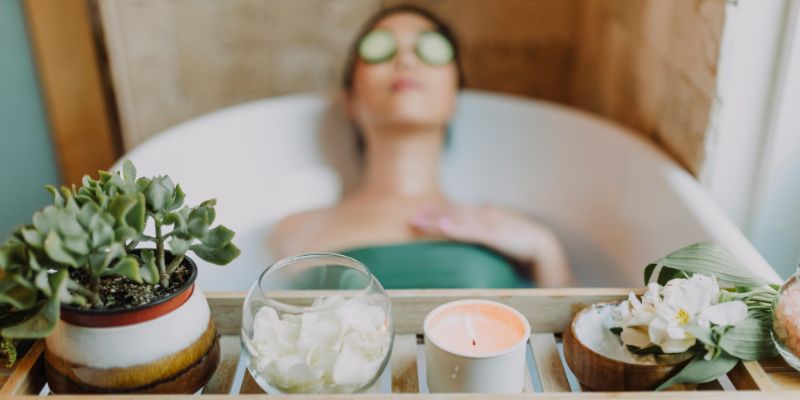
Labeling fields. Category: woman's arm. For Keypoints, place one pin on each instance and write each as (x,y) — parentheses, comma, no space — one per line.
(510,233)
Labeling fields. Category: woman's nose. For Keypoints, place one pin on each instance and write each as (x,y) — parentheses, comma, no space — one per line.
(406,59)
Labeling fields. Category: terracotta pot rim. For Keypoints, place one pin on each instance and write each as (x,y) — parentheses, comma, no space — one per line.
(605,357)
(127,316)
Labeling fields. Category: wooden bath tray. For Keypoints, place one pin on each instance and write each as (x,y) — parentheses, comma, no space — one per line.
(549,311)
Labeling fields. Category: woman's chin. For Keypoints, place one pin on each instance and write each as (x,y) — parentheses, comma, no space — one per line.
(416,116)
(410,122)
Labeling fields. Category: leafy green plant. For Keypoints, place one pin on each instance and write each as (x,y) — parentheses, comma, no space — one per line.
(96,231)
(9,317)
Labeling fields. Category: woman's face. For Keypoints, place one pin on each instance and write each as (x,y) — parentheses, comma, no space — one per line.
(403,91)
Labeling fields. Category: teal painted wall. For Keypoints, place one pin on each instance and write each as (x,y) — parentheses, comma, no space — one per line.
(27,162)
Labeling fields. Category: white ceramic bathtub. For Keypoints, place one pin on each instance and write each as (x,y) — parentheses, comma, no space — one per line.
(616,200)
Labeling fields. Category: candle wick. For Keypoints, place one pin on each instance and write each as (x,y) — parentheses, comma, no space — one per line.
(471,331)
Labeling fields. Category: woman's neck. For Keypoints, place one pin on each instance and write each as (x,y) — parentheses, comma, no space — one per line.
(403,163)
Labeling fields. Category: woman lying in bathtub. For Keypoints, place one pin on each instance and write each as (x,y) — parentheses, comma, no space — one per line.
(401,85)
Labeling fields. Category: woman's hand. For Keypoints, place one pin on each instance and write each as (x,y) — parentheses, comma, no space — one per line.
(507,232)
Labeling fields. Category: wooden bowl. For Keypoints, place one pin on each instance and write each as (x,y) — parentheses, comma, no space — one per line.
(600,372)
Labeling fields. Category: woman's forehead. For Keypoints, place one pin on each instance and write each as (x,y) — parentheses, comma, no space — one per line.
(405,22)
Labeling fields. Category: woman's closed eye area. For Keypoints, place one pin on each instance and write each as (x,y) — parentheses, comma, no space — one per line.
(381,45)
(403,71)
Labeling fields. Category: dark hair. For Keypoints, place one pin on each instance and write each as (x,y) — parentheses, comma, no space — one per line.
(439,26)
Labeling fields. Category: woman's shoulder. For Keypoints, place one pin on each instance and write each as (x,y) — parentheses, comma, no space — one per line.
(293,233)
(346,225)
(301,219)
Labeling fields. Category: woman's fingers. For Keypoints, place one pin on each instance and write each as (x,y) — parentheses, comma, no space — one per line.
(425,218)
(505,231)
(423,224)
(452,222)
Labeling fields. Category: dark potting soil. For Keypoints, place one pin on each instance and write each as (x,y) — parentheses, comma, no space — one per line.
(120,292)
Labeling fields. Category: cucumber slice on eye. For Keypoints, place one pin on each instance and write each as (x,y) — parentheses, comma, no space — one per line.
(377,46)
(434,49)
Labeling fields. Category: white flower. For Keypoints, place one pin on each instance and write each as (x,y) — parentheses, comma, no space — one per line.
(691,301)
(683,300)
(653,294)
(725,314)
(633,312)
(633,316)
(666,332)
(663,313)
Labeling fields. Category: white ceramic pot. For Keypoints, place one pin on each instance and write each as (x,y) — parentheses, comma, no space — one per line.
(169,346)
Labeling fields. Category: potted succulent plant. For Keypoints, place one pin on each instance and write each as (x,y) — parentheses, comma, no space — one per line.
(116,302)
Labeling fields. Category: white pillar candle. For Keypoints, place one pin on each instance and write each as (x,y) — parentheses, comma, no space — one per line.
(475,346)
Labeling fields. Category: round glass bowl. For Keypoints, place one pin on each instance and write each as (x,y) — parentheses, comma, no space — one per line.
(317,323)
(786,321)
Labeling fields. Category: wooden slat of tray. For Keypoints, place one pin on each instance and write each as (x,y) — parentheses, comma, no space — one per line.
(780,374)
(548,362)
(775,364)
(748,375)
(5,371)
(28,376)
(548,310)
(713,385)
(222,381)
(696,395)
(403,363)
(249,385)
(534,303)
(786,381)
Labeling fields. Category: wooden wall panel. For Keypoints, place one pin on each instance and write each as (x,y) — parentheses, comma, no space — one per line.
(81,121)
(649,64)
(178,59)
(522,47)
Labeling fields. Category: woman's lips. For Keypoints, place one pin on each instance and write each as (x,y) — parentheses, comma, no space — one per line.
(405,84)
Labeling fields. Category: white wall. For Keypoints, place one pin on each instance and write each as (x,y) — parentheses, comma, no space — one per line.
(753,137)
(27,162)
(775,220)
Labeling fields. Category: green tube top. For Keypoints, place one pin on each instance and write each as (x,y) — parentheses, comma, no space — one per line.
(437,264)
